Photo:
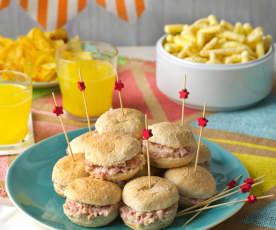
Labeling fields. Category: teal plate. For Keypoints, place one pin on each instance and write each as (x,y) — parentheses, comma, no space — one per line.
(31,190)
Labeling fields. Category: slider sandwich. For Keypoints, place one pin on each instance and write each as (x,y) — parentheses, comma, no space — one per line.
(66,170)
(92,202)
(171,145)
(204,156)
(193,186)
(132,123)
(149,208)
(113,157)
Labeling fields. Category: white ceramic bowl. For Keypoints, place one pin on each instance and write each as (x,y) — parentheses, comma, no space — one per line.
(223,87)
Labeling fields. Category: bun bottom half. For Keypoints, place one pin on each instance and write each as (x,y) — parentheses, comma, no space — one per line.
(154,226)
(171,162)
(59,191)
(95,222)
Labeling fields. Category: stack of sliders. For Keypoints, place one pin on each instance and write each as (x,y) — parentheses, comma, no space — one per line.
(115,154)
(173,147)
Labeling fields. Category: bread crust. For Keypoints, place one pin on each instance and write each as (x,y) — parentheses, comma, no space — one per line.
(204,154)
(171,162)
(200,184)
(172,135)
(161,195)
(66,170)
(132,122)
(77,143)
(109,149)
(95,222)
(93,191)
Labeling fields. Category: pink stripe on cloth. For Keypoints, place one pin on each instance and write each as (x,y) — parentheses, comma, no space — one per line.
(131,95)
(4,165)
(44,129)
(171,109)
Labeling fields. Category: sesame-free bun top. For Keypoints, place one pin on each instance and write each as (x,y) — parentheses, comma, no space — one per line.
(77,143)
(93,191)
(132,122)
(66,170)
(110,149)
(172,135)
(161,195)
(198,184)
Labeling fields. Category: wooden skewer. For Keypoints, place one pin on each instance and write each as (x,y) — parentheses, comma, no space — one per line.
(120,97)
(225,191)
(148,158)
(226,203)
(85,106)
(183,103)
(194,216)
(64,131)
(199,138)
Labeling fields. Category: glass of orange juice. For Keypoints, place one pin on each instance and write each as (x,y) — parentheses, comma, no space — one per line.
(15,107)
(97,62)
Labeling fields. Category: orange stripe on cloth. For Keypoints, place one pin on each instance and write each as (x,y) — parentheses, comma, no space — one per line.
(81,5)
(101,3)
(4,4)
(62,13)
(140,7)
(121,9)
(24,4)
(171,109)
(131,95)
(42,12)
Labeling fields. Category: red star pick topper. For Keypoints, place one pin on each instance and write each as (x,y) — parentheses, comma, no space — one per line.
(184,93)
(249,181)
(58,110)
(119,85)
(245,188)
(251,199)
(81,85)
(231,184)
(147,133)
(202,121)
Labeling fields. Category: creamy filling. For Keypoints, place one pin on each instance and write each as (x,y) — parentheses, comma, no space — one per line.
(80,210)
(190,201)
(146,218)
(158,151)
(102,171)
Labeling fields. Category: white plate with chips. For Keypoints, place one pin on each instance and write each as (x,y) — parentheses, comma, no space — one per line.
(45,84)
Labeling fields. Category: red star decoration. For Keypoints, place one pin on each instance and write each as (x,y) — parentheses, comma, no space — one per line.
(58,110)
(184,93)
(231,184)
(81,85)
(251,199)
(249,181)
(202,121)
(119,85)
(147,133)
(245,188)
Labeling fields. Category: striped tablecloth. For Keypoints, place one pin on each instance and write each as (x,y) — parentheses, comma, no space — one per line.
(249,134)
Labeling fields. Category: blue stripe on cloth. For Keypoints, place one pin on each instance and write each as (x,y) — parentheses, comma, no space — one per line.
(258,120)
(265,217)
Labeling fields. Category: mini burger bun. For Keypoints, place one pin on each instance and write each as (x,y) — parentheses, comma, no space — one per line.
(95,222)
(199,184)
(93,191)
(154,226)
(204,154)
(172,135)
(138,196)
(166,163)
(77,145)
(131,122)
(66,170)
(110,149)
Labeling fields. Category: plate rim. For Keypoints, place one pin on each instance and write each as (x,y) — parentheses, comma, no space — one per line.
(15,203)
